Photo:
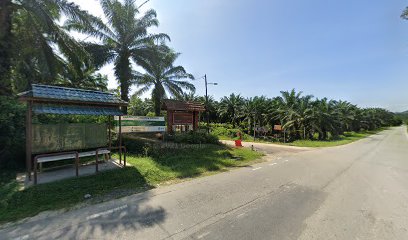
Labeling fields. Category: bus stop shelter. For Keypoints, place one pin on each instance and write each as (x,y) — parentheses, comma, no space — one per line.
(53,142)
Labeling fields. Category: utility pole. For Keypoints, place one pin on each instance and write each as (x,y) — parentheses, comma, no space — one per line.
(206,104)
(254,125)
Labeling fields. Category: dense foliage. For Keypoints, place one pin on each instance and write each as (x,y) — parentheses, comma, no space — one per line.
(195,138)
(12,132)
(37,46)
(301,116)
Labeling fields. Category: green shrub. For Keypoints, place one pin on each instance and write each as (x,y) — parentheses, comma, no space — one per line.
(228,132)
(195,138)
(12,133)
(136,145)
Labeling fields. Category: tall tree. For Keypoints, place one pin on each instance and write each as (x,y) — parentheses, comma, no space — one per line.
(404,14)
(33,42)
(5,46)
(231,108)
(255,111)
(162,76)
(123,40)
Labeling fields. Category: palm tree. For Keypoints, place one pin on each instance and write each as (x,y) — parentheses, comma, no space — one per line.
(327,118)
(32,40)
(188,97)
(85,78)
(162,76)
(123,40)
(288,111)
(404,14)
(347,114)
(211,107)
(231,108)
(255,110)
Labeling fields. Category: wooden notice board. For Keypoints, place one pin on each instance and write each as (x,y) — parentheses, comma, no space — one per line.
(183,118)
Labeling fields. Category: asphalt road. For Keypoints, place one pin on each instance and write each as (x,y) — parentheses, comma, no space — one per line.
(356,191)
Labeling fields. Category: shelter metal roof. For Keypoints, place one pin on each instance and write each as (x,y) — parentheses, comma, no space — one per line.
(76,110)
(171,104)
(39,91)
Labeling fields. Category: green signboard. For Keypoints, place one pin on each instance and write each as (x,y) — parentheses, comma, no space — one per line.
(141,124)
(66,137)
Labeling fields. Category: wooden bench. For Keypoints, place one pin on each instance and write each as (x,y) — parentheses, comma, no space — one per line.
(39,159)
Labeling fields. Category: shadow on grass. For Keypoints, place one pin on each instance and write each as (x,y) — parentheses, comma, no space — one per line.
(191,162)
(64,194)
(163,165)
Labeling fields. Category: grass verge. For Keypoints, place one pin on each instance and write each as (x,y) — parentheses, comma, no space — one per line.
(346,138)
(144,173)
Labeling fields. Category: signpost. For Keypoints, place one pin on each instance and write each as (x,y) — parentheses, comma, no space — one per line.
(131,124)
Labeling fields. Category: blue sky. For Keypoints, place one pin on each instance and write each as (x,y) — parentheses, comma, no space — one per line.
(349,50)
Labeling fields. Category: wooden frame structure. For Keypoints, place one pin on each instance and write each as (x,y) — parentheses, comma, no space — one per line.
(46,99)
(182,113)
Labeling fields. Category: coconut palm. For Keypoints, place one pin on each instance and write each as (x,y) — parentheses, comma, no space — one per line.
(123,39)
(161,76)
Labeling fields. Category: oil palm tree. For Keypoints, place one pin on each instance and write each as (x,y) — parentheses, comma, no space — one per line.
(288,110)
(231,108)
(347,115)
(161,76)
(255,110)
(31,36)
(404,14)
(123,39)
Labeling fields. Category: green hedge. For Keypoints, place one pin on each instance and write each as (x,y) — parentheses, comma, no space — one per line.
(12,133)
(195,138)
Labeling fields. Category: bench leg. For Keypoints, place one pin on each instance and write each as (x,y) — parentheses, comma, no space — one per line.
(41,167)
(76,167)
(35,172)
(96,163)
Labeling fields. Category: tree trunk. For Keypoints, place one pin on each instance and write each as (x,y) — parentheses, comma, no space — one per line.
(5,47)
(157,106)
(123,72)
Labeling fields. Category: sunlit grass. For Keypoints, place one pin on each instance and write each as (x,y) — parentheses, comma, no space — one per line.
(347,138)
(142,173)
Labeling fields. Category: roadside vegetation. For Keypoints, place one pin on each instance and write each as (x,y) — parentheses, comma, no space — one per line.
(346,138)
(304,120)
(159,166)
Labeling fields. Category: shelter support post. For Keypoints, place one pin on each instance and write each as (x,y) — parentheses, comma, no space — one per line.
(110,134)
(28,139)
(97,161)
(120,139)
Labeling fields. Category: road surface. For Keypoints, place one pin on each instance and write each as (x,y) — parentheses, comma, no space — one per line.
(356,191)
